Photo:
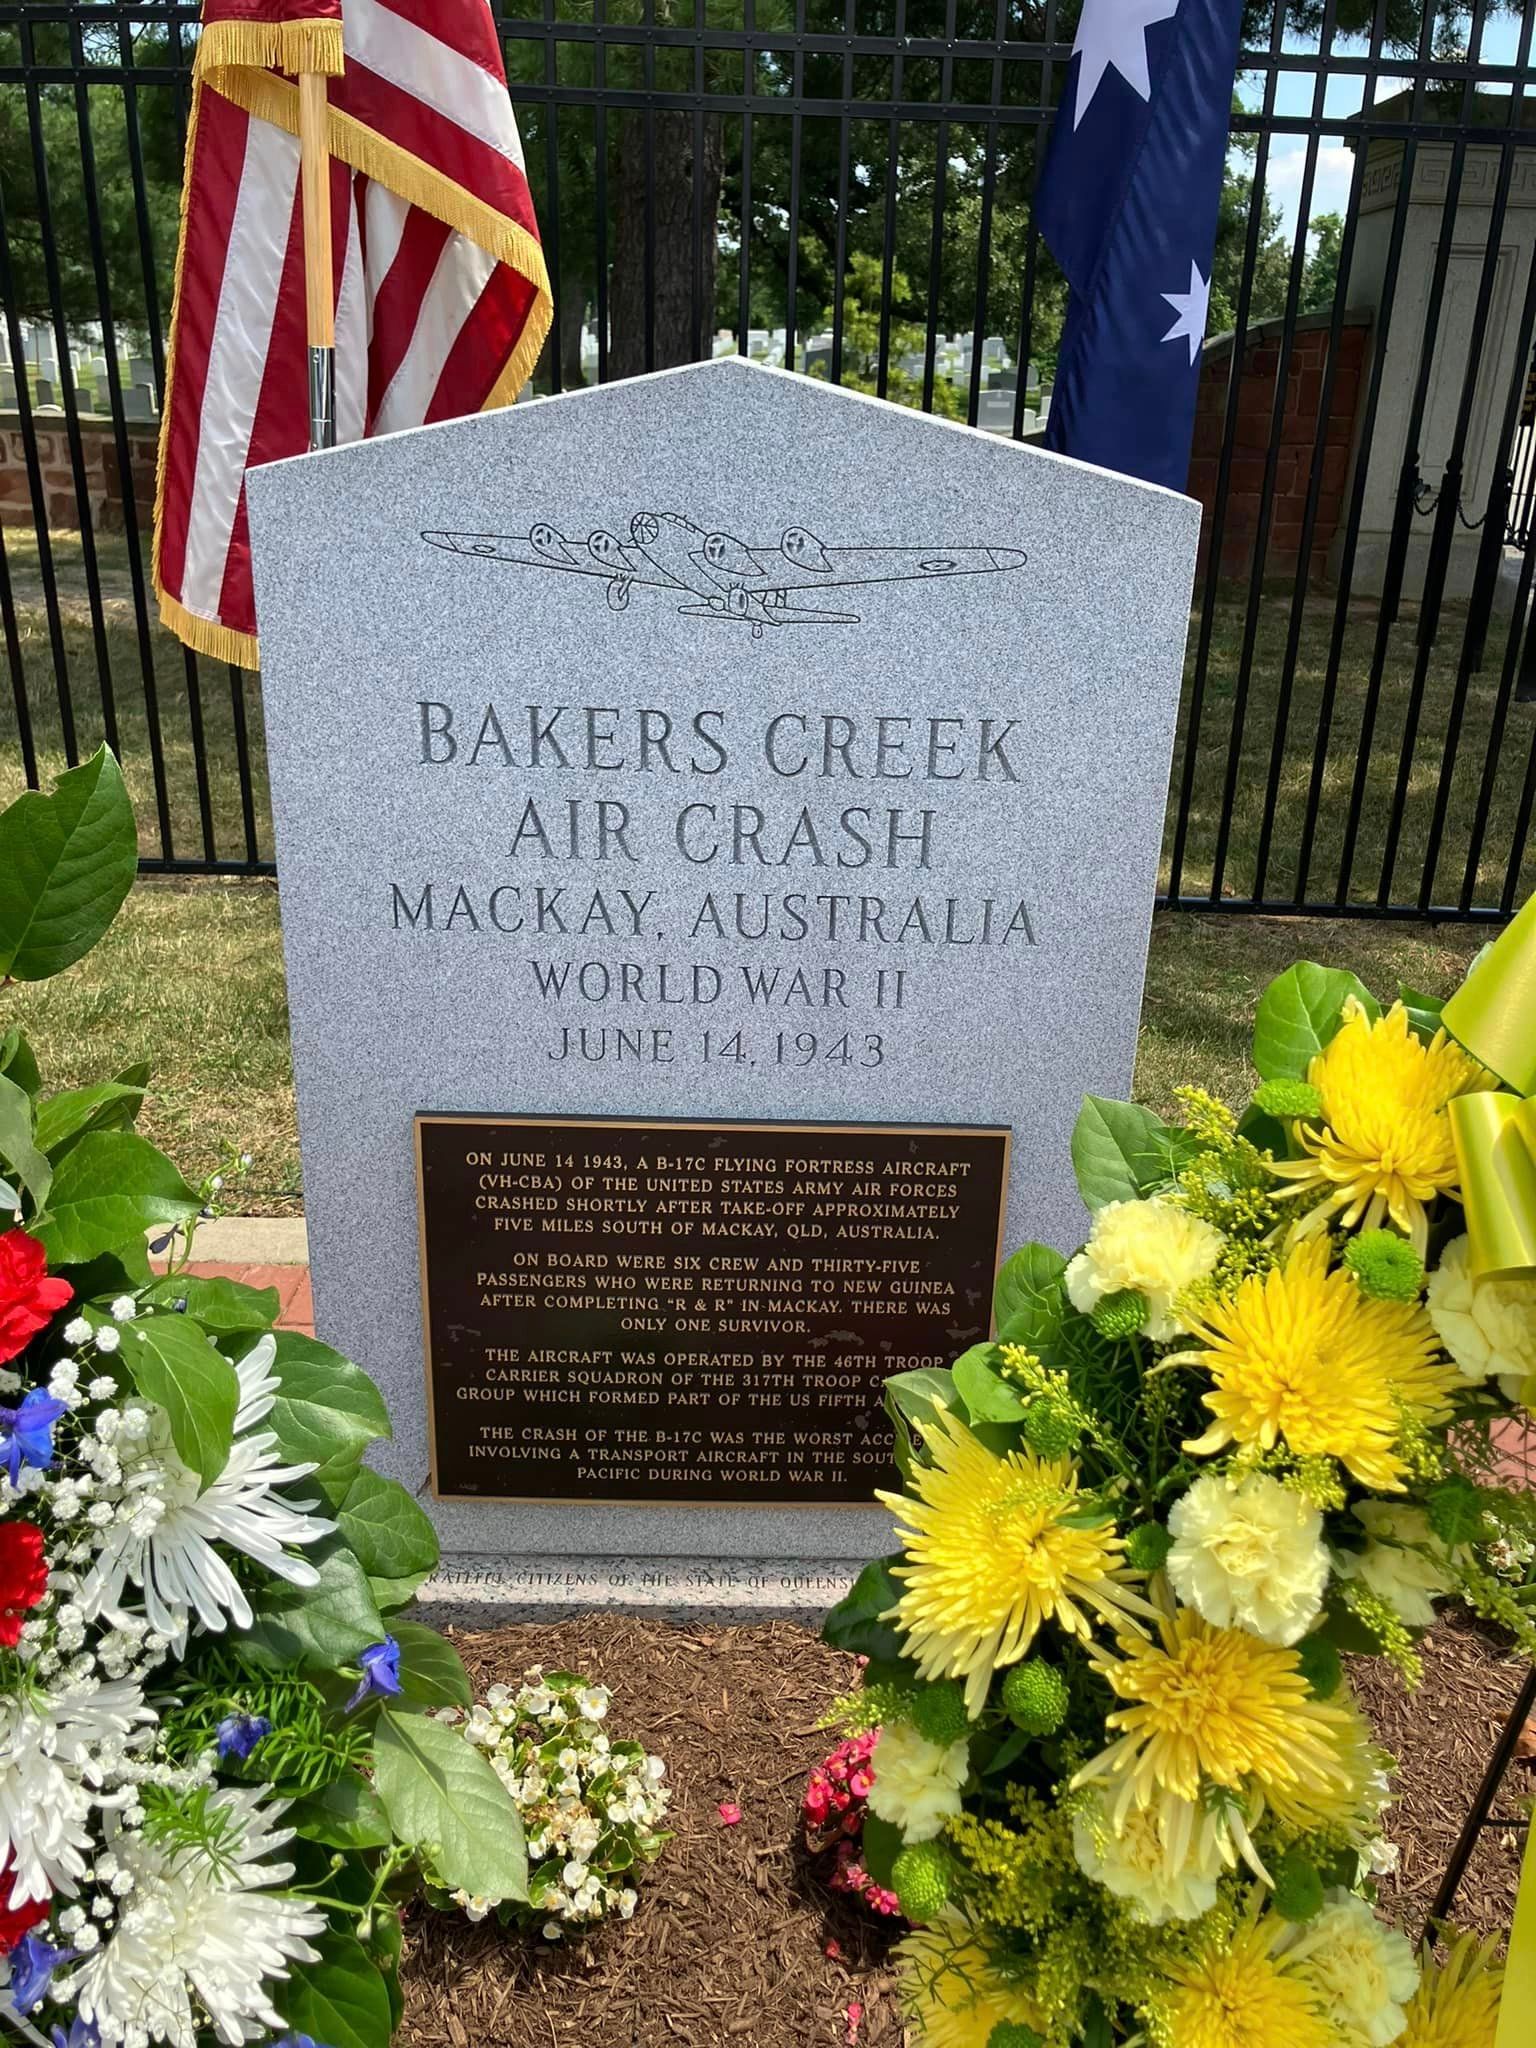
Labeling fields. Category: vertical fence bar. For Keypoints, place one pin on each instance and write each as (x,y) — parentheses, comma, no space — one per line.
(144,233)
(892,185)
(1357,504)
(940,178)
(796,131)
(144,632)
(744,253)
(1040,141)
(38,495)
(600,186)
(549,115)
(69,394)
(1217,540)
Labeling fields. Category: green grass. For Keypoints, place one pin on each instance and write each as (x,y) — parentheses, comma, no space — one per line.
(190,978)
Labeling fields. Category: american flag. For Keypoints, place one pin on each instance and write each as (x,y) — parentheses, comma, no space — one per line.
(442,296)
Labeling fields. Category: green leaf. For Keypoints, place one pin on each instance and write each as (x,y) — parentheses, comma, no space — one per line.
(445,1801)
(915,1395)
(987,1397)
(347,1814)
(855,1624)
(105,1105)
(223,1306)
(1423,1011)
(110,1187)
(431,1669)
(1027,1299)
(173,1363)
(18,1145)
(1119,1151)
(66,863)
(317,1626)
(17,1060)
(391,1594)
(328,1410)
(341,2000)
(124,1270)
(881,1843)
(388,1532)
(1298,1014)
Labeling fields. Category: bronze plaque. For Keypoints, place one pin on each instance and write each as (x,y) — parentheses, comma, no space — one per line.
(625,1311)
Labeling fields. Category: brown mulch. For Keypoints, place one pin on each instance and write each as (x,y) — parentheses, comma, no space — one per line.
(1442,1736)
(730,1942)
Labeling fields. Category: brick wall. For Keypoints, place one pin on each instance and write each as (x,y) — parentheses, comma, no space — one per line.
(1305,365)
(104,481)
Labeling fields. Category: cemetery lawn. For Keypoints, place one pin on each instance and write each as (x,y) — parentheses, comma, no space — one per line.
(736,1938)
(190,978)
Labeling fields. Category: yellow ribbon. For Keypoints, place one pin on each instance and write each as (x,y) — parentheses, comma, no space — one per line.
(1518,2000)
(1493,1014)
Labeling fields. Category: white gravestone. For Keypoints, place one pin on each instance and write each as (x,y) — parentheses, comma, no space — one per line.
(715,749)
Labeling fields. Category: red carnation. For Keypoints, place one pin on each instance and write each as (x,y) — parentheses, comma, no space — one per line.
(23,1576)
(28,1298)
(17,1922)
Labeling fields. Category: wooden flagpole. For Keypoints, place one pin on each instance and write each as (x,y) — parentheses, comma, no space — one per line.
(319,273)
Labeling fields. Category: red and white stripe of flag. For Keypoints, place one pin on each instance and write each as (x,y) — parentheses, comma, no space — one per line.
(442,297)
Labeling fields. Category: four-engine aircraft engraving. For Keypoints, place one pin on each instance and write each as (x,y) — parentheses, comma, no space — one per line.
(726,578)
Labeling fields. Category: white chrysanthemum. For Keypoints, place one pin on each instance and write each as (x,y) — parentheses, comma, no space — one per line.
(1488,1326)
(917,1782)
(1365,1970)
(199,1930)
(56,1750)
(1168,1866)
(1404,1562)
(1249,1556)
(168,1523)
(1151,1248)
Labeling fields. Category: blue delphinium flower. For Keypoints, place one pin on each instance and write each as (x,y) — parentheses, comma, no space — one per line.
(82,2033)
(380,1664)
(33,1962)
(26,1432)
(238,1735)
(297,2041)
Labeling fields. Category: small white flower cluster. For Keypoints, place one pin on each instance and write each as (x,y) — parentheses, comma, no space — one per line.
(161,1943)
(592,1808)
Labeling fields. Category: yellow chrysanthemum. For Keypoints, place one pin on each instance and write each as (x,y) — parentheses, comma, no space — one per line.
(1301,1355)
(1385,1146)
(1215,1706)
(1457,2002)
(951,1991)
(992,1554)
(1238,1993)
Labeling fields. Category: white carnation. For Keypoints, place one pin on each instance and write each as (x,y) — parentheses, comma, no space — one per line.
(916,1782)
(1249,1556)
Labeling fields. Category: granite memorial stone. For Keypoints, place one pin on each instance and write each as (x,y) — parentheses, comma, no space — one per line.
(716,815)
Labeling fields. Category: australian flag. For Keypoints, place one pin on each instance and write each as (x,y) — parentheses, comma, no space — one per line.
(1127,201)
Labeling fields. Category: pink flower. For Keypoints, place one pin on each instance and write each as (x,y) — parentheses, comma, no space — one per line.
(855,2019)
(730,1814)
(833,1950)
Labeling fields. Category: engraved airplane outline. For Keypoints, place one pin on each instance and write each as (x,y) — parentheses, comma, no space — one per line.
(726,577)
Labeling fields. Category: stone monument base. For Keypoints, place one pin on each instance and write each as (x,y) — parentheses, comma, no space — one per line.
(486,1592)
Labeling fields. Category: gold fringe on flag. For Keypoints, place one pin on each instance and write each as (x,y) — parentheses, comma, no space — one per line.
(406,175)
(291,46)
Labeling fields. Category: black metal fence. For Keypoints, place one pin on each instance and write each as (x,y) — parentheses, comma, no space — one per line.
(845,185)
